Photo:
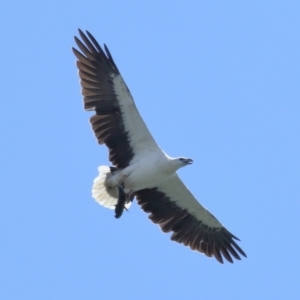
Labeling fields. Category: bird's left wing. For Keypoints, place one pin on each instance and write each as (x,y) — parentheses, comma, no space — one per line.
(176,210)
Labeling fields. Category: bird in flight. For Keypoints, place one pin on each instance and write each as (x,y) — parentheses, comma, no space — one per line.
(140,169)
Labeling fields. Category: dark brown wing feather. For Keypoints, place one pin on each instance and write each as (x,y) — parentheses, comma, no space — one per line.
(217,242)
(96,71)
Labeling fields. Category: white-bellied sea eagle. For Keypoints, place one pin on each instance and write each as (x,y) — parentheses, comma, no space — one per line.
(140,169)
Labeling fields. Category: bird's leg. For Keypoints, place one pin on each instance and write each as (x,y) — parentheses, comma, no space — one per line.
(130,196)
(121,201)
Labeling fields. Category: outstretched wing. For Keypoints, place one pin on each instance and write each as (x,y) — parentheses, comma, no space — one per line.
(117,122)
(176,210)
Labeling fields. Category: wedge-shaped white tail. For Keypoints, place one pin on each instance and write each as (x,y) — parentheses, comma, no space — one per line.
(105,196)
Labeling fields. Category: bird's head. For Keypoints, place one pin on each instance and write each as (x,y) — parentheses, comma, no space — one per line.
(185,161)
(182,162)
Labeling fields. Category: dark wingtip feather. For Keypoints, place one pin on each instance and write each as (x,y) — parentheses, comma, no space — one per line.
(187,229)
(237,247)
(96,71)
(80,31)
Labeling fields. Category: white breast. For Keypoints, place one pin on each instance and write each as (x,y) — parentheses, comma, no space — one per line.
(147,173)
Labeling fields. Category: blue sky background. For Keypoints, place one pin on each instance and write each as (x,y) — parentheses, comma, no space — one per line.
(217,81)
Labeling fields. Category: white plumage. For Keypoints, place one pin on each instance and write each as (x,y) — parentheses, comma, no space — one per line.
(106,197)
(140,168)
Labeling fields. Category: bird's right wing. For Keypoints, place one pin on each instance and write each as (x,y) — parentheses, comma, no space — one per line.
(117,122)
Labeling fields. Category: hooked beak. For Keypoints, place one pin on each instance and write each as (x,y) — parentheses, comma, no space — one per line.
(188,161)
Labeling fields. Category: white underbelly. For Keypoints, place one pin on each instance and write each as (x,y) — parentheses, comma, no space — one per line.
(141,176)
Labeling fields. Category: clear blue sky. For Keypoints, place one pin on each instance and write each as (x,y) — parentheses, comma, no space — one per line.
(217,81)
